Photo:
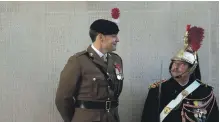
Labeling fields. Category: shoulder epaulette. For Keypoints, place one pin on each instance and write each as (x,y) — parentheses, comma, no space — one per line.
(156,84)
(80,53)
(204,84)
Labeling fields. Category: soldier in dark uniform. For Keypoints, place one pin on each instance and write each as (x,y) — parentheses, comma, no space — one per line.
(182,98)
(91,81)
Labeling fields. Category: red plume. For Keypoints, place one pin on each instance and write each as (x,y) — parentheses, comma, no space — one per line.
(188,27)
(115,13)
(195,37)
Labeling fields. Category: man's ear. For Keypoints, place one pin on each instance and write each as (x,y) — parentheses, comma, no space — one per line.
(101,37)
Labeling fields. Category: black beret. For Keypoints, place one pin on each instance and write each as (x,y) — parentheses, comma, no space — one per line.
(105,27)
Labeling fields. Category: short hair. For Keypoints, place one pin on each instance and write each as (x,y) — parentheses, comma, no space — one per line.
(93,34)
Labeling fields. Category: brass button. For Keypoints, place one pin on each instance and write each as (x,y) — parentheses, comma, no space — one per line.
(185,93)
(167,110)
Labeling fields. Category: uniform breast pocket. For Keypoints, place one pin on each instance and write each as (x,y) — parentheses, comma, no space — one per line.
(95,86)
(98,85)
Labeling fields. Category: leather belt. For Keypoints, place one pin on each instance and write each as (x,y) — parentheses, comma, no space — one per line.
(96,105)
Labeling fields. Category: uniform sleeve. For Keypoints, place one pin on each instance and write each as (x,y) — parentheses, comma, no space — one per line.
(150,111)
(214,115)
(67,88)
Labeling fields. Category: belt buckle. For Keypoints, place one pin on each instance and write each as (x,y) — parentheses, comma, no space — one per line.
(107,105)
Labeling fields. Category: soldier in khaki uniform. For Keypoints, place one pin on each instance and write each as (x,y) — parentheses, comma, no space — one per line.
(91,81)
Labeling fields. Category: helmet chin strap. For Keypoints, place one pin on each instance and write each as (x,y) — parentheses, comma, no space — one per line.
(179,76)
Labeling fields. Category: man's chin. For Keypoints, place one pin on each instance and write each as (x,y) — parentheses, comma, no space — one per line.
(114,48)
(174,74)
(111,50)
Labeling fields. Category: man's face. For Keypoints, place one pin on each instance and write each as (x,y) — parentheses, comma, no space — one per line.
(178,68)
(109,42)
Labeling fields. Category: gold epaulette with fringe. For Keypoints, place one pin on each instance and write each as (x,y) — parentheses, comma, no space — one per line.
(156,84)
(203,84)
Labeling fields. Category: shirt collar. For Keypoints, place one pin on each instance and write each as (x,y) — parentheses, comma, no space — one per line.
(97,51)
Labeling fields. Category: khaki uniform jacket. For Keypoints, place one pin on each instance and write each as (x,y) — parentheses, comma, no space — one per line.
(81,79)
